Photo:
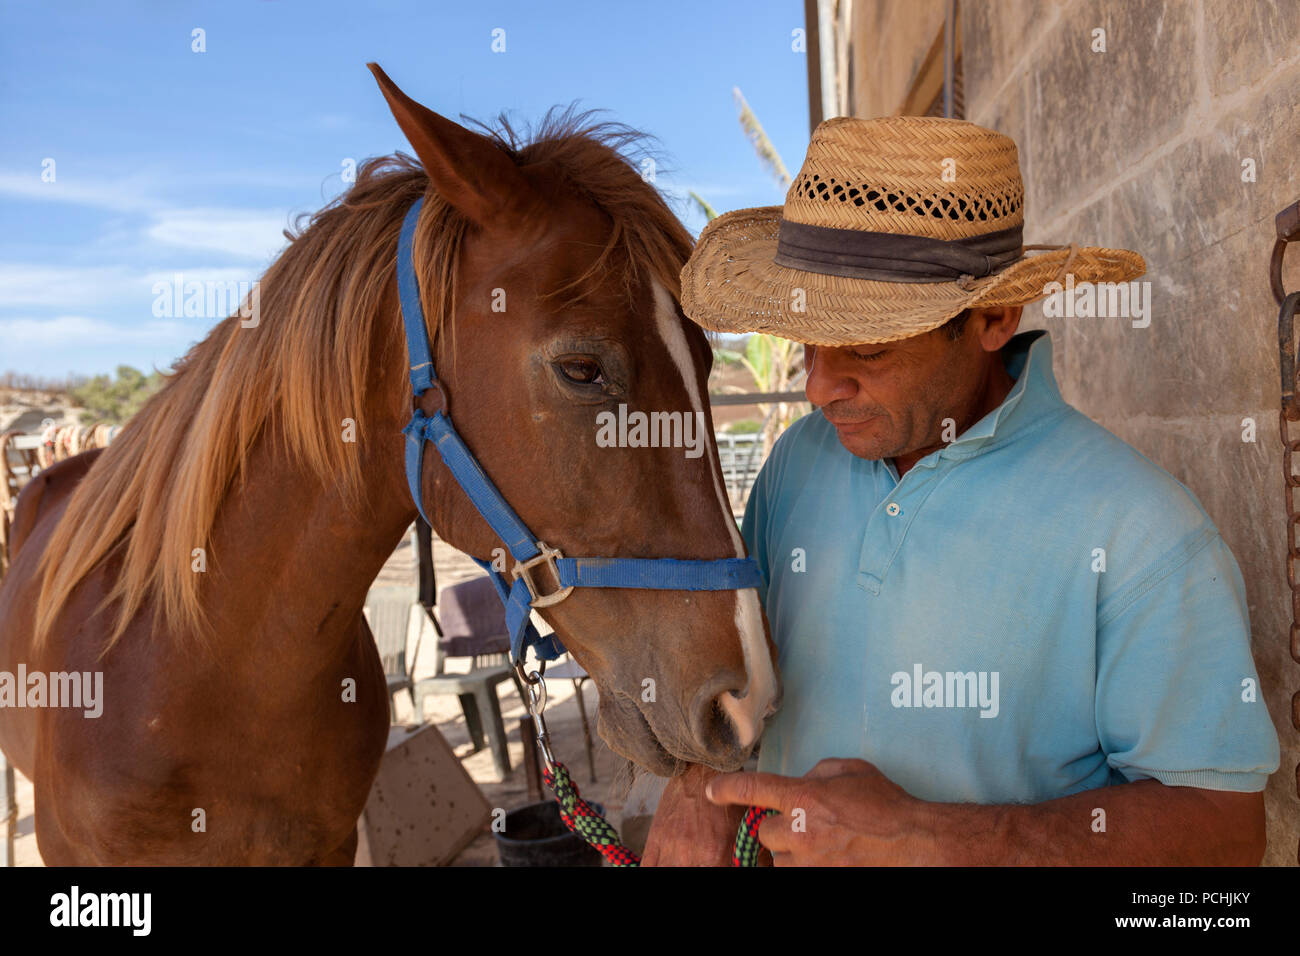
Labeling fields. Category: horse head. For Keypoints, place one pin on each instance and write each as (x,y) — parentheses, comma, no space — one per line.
(555,323)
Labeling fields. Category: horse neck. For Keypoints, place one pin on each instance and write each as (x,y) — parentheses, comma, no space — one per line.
(294,557)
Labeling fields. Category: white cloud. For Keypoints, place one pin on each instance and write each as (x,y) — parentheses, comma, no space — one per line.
(97,288)
(26,286)
(248,234)
(117,195)
(81,331)
(245,233)
(80,344)
(331,121)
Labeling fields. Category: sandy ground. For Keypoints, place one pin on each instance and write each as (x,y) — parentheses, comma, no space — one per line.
(563,720)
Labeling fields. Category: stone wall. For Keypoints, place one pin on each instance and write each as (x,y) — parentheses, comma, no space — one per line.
(1142,147)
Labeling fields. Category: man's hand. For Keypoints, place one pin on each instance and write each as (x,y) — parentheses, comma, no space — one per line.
(842,813)
(688,830)
(853,815)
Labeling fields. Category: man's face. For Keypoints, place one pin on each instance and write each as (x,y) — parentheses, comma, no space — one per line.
(888,400)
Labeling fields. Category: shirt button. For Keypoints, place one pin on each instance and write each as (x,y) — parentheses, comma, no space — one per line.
(892,509)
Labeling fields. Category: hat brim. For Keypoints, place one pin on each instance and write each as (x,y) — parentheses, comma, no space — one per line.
(731,284)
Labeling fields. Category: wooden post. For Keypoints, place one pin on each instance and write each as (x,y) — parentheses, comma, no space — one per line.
(8,812)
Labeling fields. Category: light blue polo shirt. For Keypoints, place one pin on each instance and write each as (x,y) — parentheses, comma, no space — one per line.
(1034,610)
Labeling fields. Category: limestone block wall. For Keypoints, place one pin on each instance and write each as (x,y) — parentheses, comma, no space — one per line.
(1146,146)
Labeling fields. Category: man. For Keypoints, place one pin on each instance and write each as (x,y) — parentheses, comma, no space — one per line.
(1005,635)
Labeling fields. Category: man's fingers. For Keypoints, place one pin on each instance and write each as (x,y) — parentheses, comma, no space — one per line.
(753,790)
(777,834)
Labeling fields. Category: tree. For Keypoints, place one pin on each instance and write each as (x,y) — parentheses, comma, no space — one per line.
(108,399)
(774,363)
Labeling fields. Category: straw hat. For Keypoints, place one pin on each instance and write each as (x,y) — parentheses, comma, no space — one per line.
(892,227)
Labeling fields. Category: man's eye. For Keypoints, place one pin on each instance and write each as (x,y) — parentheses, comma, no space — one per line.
(581,371)
(870,356)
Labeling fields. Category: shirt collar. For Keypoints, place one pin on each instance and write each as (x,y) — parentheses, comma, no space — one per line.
(1028,359)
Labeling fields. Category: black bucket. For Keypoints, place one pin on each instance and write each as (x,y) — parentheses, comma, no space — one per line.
(536,836)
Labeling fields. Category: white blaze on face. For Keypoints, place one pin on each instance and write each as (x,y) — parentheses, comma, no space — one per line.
(747,711)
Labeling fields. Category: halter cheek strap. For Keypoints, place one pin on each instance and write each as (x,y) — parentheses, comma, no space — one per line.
(522,594)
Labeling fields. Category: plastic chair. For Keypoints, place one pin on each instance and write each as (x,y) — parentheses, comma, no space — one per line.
(473,625)
(571,669)
(388,609)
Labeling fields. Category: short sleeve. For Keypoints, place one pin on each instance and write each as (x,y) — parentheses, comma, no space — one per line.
(1178,698)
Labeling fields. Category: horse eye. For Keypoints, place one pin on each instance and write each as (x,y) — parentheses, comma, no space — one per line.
(581,371)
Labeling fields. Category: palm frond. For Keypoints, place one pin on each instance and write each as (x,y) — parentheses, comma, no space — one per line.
(767,153)
(709,212)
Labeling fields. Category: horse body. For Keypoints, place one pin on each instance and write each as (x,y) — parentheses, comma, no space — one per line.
(213,561)
(233,752)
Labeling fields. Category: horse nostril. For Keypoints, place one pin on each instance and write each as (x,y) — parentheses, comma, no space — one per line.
(728,718)
(744,723)
(718,729)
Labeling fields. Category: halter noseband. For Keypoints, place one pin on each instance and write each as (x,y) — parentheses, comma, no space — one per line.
(528,552)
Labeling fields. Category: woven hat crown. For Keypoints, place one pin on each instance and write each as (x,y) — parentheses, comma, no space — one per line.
(892,227)
(911,175)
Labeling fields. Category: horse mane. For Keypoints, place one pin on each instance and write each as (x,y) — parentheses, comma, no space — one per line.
(155,492)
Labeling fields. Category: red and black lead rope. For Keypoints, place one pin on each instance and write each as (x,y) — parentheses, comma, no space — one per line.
(747,845)
(581,818)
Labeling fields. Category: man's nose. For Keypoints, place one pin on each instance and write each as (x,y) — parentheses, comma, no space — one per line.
(828,380)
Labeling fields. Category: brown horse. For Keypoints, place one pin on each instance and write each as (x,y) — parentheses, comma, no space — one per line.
(212,562)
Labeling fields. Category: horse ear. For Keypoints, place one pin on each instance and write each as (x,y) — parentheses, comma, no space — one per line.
(466,168)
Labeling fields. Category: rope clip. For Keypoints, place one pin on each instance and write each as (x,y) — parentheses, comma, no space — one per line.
(535,686)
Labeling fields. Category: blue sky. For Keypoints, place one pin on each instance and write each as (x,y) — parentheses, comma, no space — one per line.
(167,160)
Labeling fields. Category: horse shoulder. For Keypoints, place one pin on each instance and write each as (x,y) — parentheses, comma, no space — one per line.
(50,489)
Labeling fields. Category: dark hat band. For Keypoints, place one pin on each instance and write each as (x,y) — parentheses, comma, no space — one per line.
(893,257)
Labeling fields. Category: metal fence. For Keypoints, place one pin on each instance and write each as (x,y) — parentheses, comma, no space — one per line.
(742,456)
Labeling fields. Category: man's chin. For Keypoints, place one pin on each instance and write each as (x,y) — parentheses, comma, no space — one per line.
(866,447)
(863,439)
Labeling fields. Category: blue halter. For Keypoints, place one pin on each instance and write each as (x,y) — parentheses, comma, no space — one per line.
(521,595)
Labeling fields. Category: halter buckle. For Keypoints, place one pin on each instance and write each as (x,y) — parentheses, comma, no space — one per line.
(524,569)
